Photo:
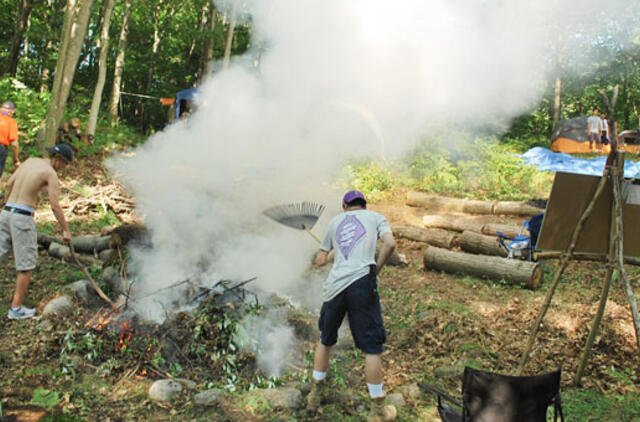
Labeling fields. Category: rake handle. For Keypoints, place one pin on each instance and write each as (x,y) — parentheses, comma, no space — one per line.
(316,238)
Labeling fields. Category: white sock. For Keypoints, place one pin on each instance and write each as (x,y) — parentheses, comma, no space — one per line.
(375,390)
(15,309)
(319,375)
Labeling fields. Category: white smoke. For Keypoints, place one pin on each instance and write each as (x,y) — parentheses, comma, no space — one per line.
(270,339)
(336,79)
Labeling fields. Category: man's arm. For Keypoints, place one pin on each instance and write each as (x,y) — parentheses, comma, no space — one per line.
(387,245)
(52,188)
(16,159)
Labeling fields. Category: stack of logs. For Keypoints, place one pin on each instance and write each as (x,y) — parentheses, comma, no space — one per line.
(71,131)
(482,257)
(94,248)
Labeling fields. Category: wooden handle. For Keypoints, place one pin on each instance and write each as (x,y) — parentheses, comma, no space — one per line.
(317,239)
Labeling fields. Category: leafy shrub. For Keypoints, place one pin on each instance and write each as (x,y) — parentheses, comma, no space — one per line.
(373,179)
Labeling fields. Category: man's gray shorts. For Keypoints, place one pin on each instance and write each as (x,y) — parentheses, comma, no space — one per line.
(20,231)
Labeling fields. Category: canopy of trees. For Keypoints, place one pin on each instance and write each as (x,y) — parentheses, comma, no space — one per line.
(159,47)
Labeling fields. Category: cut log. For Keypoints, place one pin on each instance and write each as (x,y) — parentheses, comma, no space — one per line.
(451,222)
(84,244)
(515,208)
(435,237)
(481,244)
(91,243)
(58,250)
(442,203)
(513,271)
(492,229)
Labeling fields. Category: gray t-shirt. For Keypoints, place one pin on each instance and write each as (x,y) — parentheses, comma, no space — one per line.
(595,124)
(353,235)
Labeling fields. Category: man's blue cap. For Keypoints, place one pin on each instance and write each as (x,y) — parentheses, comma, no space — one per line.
(353,194)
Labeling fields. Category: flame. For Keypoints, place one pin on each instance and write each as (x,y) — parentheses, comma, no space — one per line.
(101,320)
(126,332)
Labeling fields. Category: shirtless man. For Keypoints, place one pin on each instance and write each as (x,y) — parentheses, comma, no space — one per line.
(17,226)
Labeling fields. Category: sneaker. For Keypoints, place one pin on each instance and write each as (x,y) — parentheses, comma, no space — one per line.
(21,313)
(381,412)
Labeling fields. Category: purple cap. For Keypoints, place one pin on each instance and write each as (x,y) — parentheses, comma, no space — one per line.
(351,195)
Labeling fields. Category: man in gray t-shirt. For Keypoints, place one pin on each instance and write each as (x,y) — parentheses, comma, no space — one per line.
(594,129)
(351,289)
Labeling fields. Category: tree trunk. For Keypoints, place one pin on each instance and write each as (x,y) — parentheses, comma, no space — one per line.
(442,203)
(152,63)
(440,238)
(74,30)
(24,11)
(492,229)
(513,271)
(229,42)
(102,69)
(556,101)
(515,208)
(119,63)
(207,50)
(481,244)
(452,222)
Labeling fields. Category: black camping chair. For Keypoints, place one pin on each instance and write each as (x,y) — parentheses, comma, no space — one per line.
(489,397)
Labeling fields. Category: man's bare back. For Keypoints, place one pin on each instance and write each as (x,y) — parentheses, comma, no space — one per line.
(30,179)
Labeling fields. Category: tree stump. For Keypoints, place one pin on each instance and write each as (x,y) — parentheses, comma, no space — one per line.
(513,271)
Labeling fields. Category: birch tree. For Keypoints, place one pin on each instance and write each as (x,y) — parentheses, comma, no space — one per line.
(102,69)
(74,29)
(119,64)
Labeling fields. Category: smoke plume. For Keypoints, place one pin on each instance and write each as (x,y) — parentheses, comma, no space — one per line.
(336,79)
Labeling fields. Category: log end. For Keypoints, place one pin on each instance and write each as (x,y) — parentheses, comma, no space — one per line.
(536,278)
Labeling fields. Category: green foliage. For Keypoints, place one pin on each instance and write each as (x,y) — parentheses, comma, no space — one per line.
(373,179)
(31,107)
(588,405)
(45,398)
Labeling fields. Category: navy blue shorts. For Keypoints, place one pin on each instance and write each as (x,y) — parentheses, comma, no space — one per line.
(4,151)
(360,301)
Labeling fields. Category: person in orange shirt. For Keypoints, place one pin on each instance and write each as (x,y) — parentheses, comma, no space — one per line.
(8,135)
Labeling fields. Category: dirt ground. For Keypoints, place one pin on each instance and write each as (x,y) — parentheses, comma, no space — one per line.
(433,321)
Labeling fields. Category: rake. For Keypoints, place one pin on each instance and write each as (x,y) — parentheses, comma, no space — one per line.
(300,216)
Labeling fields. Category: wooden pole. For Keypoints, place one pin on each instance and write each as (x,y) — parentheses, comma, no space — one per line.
(611,265)
(633,304)
(564,261)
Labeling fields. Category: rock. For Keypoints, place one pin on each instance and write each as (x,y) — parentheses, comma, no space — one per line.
(186,383)
(208,397)
(164,390)
(108,255)
(284,398)
(395,399)
(111,277)
(410,391)
(60,306)
(82,290)
(448,371)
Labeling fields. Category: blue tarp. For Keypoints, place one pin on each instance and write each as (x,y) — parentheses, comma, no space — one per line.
(547,160)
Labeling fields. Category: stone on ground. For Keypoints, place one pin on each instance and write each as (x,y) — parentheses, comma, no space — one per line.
(395,399)
(164,390)
(209,397)
(284,398)
(60,306)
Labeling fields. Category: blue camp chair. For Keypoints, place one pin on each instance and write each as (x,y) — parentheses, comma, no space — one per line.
(522,246)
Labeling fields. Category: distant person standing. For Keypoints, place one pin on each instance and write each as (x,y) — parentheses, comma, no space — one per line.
(594,128)
(8,136)
(605,129)
(17,227)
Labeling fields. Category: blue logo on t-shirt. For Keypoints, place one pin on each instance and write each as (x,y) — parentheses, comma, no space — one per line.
(348,233)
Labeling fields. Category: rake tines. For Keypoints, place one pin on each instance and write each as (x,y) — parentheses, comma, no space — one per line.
(301,216)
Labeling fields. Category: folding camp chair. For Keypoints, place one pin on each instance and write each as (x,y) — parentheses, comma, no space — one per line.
(489,397)
(522,246)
